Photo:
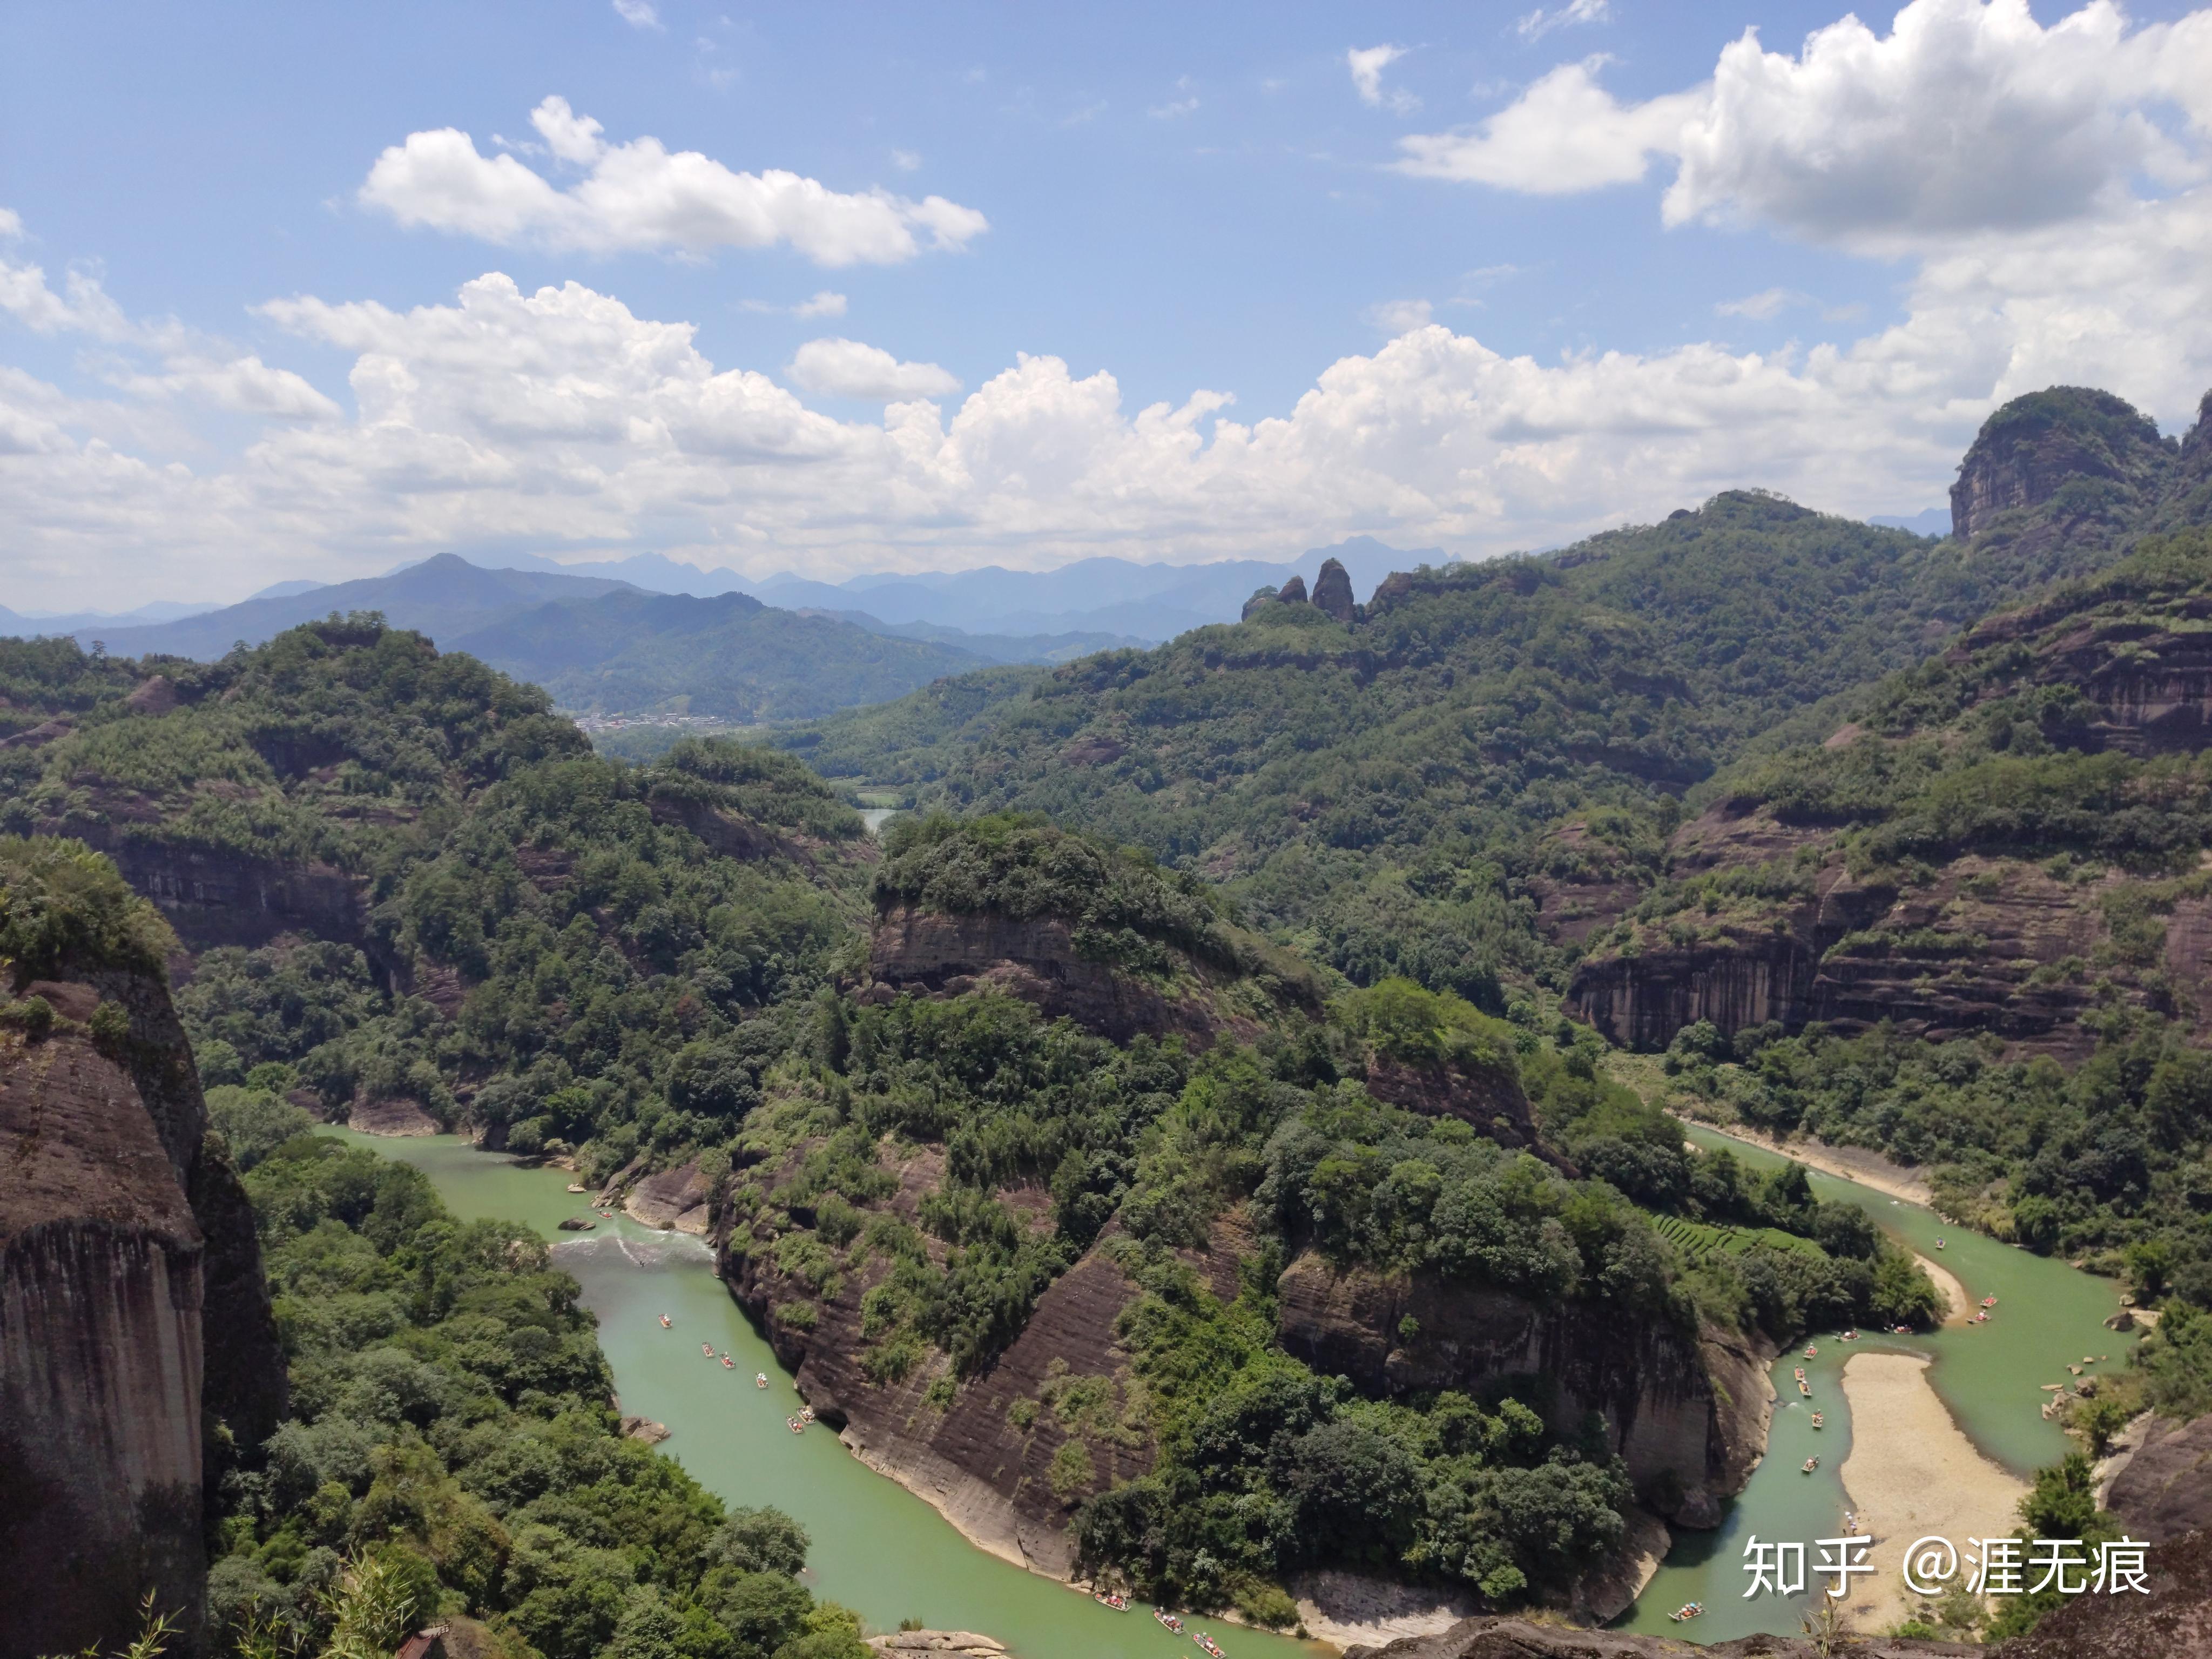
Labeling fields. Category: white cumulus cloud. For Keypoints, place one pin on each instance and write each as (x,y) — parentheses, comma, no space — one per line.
(640,195)
(1968,117)
(638,14)
(1367,64)
(848,369)
(1564,135)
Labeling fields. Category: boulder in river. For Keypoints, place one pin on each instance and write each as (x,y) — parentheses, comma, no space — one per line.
(578,1224)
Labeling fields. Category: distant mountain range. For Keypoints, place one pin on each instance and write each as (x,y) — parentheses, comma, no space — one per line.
(645,634)
(1118,598)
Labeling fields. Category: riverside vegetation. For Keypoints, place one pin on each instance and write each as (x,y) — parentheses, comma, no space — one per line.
(1346,861)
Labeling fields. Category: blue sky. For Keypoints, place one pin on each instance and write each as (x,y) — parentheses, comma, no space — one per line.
(1479,276)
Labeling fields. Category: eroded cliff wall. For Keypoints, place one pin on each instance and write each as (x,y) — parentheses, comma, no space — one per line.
(101,1355)
(138,1350)
(1687,1414)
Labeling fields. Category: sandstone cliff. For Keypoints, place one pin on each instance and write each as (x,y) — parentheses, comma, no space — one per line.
(137,1342)
(2038,447)
(2164,1487)
(1688,1415)
(1979,929)
(1037,959)
(984,1457)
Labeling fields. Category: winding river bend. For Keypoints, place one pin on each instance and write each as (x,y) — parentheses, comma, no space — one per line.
(882,1551)
(878,1548)
(1989,1376)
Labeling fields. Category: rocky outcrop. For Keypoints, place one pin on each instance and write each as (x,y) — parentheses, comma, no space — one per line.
(2164,1488)
(962,1644)
(138,1353)
(2175,1617)
(940,955)
(1489,1098)
(392,1117)
(1687,1415)
(984,1460)
(732,835)
(2036,446)
(1986,945)
(1261,597)
(1292,592)
(1332,593)
(155,694)
(675,1198)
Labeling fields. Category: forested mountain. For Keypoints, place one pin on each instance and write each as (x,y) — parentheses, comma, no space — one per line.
(731,657)
(1396,784)
(1180,1140)
(1028,1067)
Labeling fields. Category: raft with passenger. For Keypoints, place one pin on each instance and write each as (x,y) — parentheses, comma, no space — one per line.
(1687,1612)
(1209,1644)
(1819,1420)
(760,1379)
(1111,1599)
(706,1348)
(1168,1619)
(1811,1464)
(664,1322)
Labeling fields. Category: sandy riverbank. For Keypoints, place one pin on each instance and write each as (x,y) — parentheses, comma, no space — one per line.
(1912,1474)
(1948,1287)
(1851,1163)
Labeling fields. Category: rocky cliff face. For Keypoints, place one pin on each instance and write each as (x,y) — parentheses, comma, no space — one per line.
(137,1342)
(2164,1489)
(1687,1415)
(1853,955)
(1979,942)
(2039,446)
(939,955)
(100,1349)
(1490,1101)
(985,1459)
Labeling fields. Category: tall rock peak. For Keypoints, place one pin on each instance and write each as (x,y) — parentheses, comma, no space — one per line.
(1332,592)
(1294,591)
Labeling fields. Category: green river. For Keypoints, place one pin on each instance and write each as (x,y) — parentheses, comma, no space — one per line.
(878,1548)
(882,1551)
(1988,1375)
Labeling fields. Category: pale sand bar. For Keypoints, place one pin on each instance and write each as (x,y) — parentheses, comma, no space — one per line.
(1948,1287)
(1912,1474)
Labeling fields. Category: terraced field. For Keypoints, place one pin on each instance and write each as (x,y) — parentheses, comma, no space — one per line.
(1698,1241)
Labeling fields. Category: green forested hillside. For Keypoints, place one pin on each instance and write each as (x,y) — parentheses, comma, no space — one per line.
(451,1428)
(509,928)
(1380,792)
